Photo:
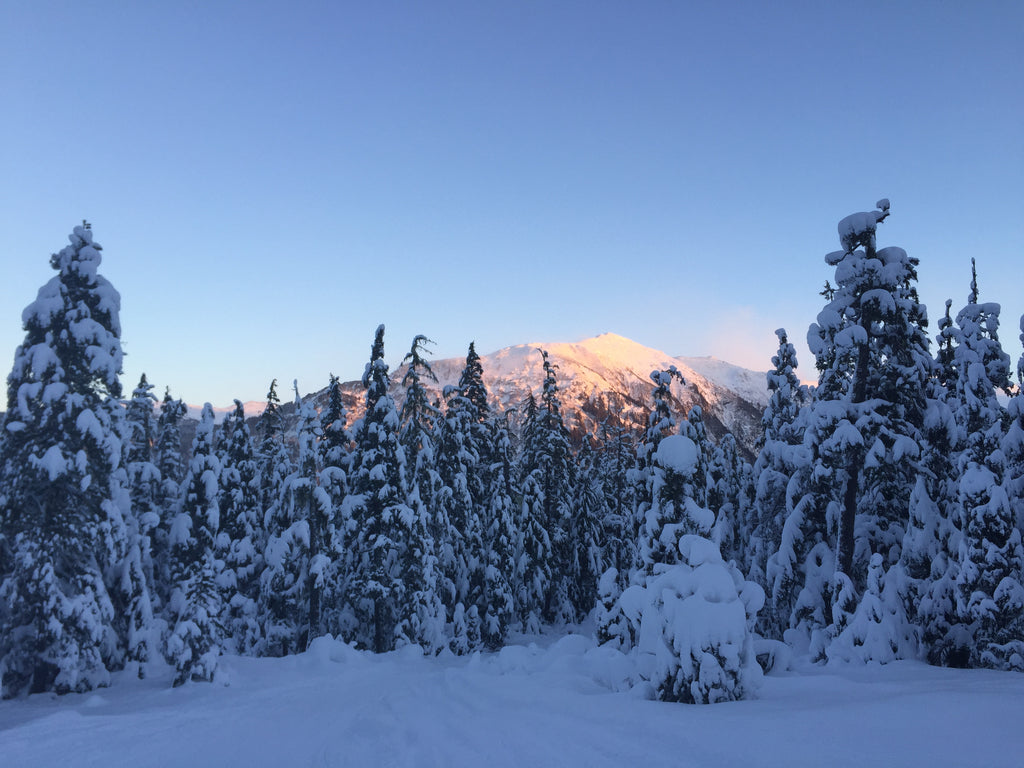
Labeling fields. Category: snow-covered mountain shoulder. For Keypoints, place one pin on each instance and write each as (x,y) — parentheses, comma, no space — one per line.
(752,385)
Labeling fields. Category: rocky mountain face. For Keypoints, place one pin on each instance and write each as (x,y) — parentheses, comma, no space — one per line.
(606,379)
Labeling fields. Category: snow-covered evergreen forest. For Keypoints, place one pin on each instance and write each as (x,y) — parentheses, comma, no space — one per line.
(880,521)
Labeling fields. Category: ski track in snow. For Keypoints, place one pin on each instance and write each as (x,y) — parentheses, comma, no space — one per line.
(524,706)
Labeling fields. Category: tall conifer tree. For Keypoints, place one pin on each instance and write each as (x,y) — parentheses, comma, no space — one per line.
(548,465)
(379,596)
(462,467)
(777,460)
(63,533)
(418,418)
(990,596)
(171,465)
(197,639)
(241,538)
(334,459)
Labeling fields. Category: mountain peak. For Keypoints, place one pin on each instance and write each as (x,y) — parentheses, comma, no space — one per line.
(610,375)
(608,351)
(600,378)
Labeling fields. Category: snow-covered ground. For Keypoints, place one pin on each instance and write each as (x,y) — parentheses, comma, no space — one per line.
(562,705)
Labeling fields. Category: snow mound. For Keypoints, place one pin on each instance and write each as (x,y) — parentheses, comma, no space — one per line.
(677,453)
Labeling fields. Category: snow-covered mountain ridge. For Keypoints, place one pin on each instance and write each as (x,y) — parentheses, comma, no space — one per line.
(607,378)
(602,379)
(252,408)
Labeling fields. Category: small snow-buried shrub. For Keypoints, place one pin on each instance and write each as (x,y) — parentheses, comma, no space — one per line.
(695,637)
(877,631)
(612,626)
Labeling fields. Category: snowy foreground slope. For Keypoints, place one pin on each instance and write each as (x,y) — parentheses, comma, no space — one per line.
(564,705)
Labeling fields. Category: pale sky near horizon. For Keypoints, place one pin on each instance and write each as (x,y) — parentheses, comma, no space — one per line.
(270,181)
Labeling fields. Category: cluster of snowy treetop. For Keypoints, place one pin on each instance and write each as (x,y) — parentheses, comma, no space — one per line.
(881,519)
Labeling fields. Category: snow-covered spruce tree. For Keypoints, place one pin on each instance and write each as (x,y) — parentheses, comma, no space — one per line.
(274,462)
(63,536)
(863,429)
(613,622)
(136,611)
(876,629)
(800,571)
(613,627)
(334,460)
(275,466)
(143,474)
(171,465)
(418,417)
(694,429)
(926,572)
(167,451)
(460,499)
(462,463)
(696,628)
(465,631)
(311,513)
(585,521)
(453,505)
(674,511)
(692,619)
(501,538)
(197,639)
(674,480)
(661,423)
(776,461)
(473,400)
(240,541)
(730,492)
(378,593)
(296,555)
(533,557)
(616,460)
(990,597)
(547,457)
(1013,444)
(929,558)
(872,356)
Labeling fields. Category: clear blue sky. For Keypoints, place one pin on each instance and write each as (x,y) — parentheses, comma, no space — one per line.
(270,181)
